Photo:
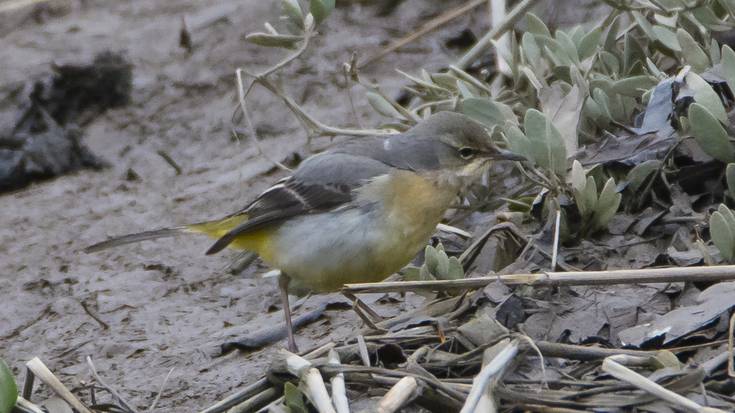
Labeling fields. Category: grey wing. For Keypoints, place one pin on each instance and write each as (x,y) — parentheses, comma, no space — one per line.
(322,182)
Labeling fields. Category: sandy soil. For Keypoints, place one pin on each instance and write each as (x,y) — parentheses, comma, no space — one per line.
(164,305)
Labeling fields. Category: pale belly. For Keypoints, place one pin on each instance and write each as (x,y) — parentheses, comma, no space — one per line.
(325,251)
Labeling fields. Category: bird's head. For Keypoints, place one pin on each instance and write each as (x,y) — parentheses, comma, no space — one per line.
(447,144)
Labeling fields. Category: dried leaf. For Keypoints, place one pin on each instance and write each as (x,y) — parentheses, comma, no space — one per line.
(564,111)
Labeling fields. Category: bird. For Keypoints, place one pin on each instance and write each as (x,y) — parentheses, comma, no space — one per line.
(357,212)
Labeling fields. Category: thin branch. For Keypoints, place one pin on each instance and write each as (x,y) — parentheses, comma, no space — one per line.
(641,276)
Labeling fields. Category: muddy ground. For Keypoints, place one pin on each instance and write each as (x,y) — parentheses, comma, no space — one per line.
(163,305)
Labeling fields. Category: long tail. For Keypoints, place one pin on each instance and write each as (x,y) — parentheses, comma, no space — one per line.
(214,229)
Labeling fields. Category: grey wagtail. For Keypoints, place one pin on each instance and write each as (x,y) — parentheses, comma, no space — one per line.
(357,212)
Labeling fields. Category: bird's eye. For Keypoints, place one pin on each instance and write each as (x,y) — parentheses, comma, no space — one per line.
(466,153)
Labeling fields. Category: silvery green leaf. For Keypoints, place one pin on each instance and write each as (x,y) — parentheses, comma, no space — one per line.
(431,258)
(634,86)
(654,69)
(425,274)
(531,49)
(536,26)
(464,90)
(273,40)
(667,37)
(547,145)
(611,38)
(485,111)
(644,24)
(589,43)
(707,18)
(577,177)
(722,235)
(714,52)
(693,53)
(382,106)
(603,101)
(607,204)
(709,133)
(730,178)
(633,53)
(8,388)
(321,9)
(535,82)
(706,96)
(455,271)
(567,46)
(728,66)
(638,175)
(293,398)
(411,273)
(589,195)
(293,11)
(610,61)
(518,142)
(728,215)
(442,267)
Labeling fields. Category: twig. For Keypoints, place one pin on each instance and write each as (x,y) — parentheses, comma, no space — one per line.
(23,403)
(28,384)
(427,27)
(493,369)
(486,404)
(398,395)
(730,368)
(519,11)
(312,379)
(362,347)
(112,391)
(255,402)
(94,316)
(169,160)
(555,252)
(640,276)
(617,370)
(339,392)
(45,375)
(238,397)
(160,390)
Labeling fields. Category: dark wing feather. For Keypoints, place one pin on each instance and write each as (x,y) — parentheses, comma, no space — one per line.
(322,182)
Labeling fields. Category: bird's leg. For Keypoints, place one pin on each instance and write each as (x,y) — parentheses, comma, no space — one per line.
(283,281)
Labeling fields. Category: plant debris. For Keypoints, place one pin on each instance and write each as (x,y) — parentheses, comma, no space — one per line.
(46,139)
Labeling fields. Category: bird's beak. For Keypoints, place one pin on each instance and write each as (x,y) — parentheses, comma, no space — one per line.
(506,155)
